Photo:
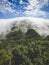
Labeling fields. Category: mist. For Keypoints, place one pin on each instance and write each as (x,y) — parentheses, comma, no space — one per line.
(40,25)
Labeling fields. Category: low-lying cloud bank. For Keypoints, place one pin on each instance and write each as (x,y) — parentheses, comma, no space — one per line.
(38,24)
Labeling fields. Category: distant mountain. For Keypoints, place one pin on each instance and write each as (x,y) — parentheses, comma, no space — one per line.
(32,34)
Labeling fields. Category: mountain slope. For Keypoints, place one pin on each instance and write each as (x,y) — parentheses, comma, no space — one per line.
(32,34)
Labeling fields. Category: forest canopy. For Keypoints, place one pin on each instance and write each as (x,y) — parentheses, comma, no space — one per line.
(19,48)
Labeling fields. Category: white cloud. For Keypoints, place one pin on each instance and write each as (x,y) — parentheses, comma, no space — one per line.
(21,2)
(5,6)
(39,24)
(37,3)
(34,8)
(37,13)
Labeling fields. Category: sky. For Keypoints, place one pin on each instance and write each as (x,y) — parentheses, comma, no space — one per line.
(24,8)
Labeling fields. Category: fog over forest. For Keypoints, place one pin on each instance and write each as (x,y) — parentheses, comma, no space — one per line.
(38,24)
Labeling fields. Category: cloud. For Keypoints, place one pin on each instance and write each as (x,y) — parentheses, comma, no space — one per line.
(37,4)
(30,8)
(34,8)
(5,7)
(21,2)
(39,24)
(37,13)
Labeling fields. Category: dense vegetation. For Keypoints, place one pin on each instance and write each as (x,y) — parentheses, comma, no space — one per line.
(19,48)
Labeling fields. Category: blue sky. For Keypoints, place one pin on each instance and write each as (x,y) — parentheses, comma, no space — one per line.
(24,8)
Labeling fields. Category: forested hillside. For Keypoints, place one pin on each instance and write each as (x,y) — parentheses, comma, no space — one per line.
(19,48)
